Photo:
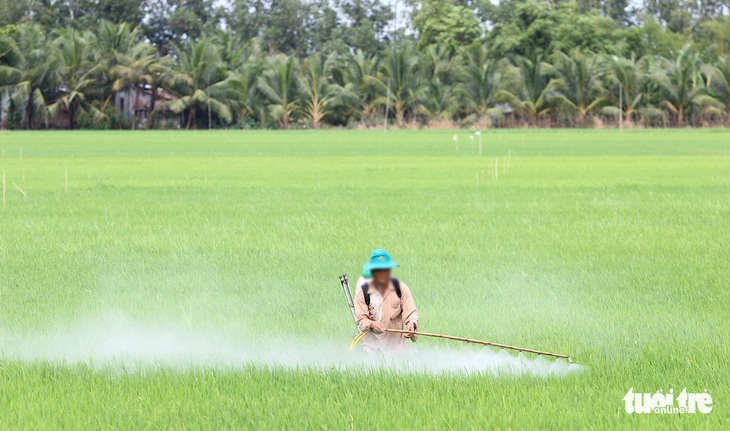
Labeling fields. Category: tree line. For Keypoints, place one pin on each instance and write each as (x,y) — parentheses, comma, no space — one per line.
(355,63)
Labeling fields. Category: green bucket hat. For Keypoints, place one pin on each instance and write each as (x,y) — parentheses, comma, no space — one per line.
(379,259)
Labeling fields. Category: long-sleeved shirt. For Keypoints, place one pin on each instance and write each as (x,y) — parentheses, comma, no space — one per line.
(392,312)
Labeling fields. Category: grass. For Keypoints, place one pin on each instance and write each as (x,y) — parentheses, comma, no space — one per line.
(611,247)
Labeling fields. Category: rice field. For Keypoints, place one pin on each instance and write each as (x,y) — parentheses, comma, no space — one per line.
(188,280)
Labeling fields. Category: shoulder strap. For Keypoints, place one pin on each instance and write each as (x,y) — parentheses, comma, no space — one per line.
(364,288)
(396,286)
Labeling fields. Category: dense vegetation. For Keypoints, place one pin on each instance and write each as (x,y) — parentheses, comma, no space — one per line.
(298,63)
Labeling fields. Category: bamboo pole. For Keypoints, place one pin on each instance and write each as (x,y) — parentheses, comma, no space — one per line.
(484,343)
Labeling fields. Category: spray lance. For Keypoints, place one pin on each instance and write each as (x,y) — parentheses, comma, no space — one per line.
(351,303)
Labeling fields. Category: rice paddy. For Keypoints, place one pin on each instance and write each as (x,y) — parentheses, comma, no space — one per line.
(189,279)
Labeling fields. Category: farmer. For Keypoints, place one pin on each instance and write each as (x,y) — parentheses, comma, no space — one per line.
(384,303)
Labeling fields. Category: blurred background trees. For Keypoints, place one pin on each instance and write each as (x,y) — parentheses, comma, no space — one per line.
(318,63)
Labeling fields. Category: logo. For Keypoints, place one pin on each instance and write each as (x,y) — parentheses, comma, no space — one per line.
(660,402)
(381,258)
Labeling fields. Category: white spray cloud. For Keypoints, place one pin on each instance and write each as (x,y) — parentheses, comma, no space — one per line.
(119,344)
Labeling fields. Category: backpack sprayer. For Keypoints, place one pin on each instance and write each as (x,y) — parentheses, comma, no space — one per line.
(351,303)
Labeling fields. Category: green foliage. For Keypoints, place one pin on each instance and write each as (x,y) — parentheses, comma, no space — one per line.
(653,39)
(400,84)
(716,36)
(201,85)
(536,28)
(79,74)
(10,30)
(312,63)
(29,73)
(443,23)
(171,22)
(532,88)
(479,76)
(367,23)
(685,88)
(279,86)
(581,92)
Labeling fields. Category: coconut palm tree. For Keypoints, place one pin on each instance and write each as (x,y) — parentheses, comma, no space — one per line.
(439,100)
(201,85)
(318,93)
(479,77)
(140,68)
(581,91)
(530,87)
(30,71)
(400,85)
(359,76)
(279,86)
(113,39)
(719,82)
(245,60)
(118,44)
(684,86)
(80,76)
(624,78)
(243,81)
(650,110)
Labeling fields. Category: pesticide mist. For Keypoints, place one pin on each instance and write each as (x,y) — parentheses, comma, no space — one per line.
(116,343)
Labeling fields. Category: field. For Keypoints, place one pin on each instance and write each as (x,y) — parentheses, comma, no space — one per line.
(612,247)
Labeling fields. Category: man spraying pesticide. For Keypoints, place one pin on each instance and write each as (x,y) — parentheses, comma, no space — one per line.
(383,305)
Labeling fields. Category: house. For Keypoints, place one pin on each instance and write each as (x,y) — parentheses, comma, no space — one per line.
(135,104)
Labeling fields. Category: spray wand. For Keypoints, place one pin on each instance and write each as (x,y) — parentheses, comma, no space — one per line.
(348,295)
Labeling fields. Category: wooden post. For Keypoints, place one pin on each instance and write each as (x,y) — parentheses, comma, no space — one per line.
(387,108)
(621,107)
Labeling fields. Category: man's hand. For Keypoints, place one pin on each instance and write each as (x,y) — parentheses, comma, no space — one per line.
(411,328)
(377,327)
